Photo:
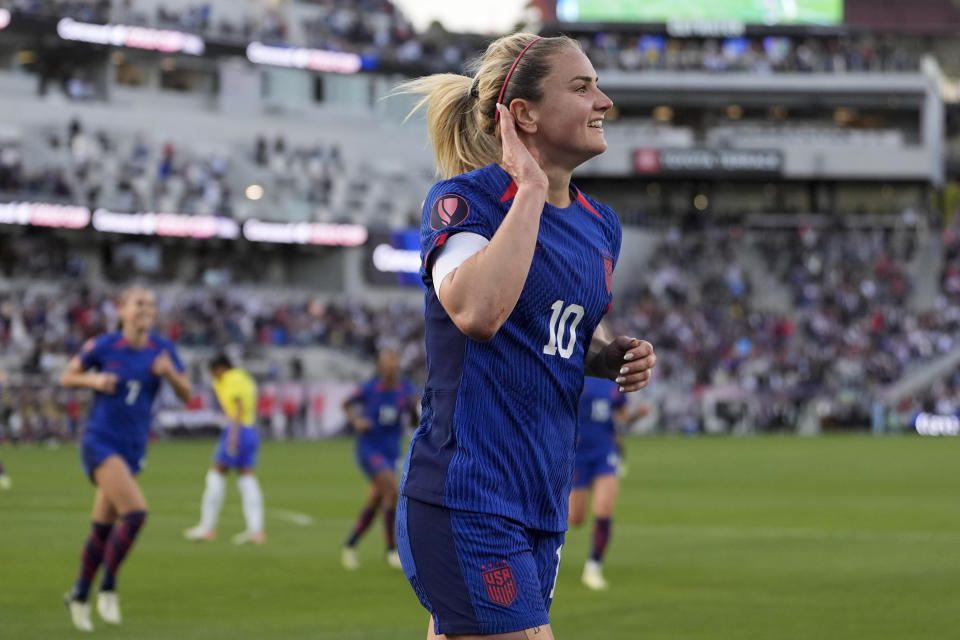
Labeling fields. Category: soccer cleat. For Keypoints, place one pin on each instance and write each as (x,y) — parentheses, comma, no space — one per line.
(348,557)
(108,606)
(250,537)
(5,482)
(79,612)
(593,576)
(393,559)
(200,533)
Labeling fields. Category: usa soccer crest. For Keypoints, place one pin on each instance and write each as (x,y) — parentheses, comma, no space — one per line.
(448,210)
(498,579)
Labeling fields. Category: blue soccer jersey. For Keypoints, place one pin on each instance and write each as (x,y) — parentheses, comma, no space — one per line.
(499,418)
(124,416)
(383,406)
(597,403)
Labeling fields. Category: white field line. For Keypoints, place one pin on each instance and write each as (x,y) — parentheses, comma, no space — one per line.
(294,517)
(791,533)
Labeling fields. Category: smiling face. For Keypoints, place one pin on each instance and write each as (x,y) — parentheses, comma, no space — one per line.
(138,311)
(568,119)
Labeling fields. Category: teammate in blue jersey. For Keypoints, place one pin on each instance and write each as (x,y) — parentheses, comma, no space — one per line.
(375,412)
(5,482)
(517,264)
(602,410)
(124,369)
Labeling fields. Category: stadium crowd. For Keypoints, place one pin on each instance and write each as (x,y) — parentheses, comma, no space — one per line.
(378,29)
(635,52)
(373,28)
(129,173)
(848,333)
(83,10)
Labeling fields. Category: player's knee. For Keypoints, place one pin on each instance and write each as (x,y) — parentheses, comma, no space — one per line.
(139,515)
(389,496)
(575,519)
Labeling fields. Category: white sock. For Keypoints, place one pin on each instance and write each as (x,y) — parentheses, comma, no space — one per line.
(252,502)
(212,499)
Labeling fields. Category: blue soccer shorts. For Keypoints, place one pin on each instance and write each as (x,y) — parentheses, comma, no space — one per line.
(245,457)
(372,461)
(95,449)
(477,573)
(587,469)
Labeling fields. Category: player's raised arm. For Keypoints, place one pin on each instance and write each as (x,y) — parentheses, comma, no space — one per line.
(627,361)
(76,375)
(481,293)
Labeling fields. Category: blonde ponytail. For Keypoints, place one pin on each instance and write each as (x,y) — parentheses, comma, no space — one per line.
(461,109)
(452,122)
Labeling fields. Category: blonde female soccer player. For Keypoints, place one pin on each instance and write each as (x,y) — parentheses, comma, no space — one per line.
(517,263)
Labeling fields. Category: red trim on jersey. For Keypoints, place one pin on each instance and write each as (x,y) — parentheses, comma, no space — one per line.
(510,192)
(436,245)
(586,205)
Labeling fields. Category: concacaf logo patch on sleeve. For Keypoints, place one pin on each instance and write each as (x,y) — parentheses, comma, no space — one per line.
(448,210)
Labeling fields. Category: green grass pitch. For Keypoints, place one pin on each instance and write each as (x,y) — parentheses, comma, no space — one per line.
(785,538)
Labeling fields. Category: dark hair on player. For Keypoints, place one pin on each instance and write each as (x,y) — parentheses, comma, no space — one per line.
(220,361)
(461,110)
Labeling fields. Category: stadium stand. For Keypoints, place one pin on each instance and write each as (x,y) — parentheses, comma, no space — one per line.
(761,319)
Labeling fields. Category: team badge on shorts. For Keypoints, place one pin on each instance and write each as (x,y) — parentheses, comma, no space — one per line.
(498,579)
(448,210)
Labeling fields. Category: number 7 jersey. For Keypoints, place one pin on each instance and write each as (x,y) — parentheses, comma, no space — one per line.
(499,418)
(124,416)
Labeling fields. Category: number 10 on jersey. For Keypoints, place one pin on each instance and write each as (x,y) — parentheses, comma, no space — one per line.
(563,329)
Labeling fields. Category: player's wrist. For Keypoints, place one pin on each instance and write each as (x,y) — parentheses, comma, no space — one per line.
(533,189)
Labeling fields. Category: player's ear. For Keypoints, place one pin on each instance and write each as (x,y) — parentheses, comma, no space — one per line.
(525,115)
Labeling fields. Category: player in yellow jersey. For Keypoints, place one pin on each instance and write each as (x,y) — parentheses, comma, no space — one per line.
(237,449)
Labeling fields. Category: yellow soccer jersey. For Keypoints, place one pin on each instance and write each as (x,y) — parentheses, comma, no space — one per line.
(233,386)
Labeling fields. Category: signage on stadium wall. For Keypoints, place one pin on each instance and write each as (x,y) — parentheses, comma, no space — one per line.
(389,259)
(314,233)
(4,18)
(768,12)
(179,225)
(393,258)
(649,161)
(41,214)
(932,424)
(119,35)
(302,58)
(173,225)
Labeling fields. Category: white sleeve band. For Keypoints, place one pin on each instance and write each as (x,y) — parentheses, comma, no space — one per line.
(454,253)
